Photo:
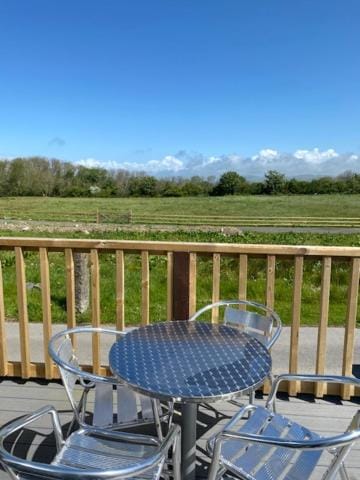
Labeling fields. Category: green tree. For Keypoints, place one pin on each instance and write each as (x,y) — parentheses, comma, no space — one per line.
(196,186)
(275,182)
(144,186)
(230,183)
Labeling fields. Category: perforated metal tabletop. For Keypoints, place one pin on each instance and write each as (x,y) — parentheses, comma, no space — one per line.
(190,361)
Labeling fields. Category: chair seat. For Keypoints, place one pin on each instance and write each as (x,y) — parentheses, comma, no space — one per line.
(95,452)
(263,462)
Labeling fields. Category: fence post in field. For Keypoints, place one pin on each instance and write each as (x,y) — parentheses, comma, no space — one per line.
(82,279)
(181,286)
(97,216)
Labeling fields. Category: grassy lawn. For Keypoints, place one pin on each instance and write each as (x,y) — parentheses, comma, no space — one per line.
(229,277)
(43,208)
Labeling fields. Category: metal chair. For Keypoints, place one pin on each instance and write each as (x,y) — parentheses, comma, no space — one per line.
(91,453)
(271,446)
(133,409)
(257,320)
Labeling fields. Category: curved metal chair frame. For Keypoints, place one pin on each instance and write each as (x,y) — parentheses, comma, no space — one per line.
(90,453)
(263,323)
(269,445)
(260,322)
(133,408)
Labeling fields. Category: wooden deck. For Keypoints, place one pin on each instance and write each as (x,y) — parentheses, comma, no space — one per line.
(327,416)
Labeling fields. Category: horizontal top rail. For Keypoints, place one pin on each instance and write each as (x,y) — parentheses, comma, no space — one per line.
(162,247)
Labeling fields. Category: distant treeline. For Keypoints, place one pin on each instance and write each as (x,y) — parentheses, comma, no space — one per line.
(37,176)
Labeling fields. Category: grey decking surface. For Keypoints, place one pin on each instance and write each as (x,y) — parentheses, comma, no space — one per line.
(327,416)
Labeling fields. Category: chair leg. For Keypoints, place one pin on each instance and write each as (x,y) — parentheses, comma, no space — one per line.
(177,459)
(343,472)
(170,407)
(155,408)
(271,380)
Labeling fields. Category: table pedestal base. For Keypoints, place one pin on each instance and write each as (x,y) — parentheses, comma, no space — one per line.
(188,441)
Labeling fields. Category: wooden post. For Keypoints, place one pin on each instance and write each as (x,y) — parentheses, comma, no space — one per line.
(82,282)
(181,286)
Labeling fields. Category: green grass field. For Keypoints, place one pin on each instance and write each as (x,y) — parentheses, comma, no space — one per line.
(47,208)
(326,206)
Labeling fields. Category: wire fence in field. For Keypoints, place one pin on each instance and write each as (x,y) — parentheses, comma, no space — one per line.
(129,217)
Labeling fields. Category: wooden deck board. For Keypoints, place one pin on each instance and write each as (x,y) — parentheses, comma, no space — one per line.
(323,415)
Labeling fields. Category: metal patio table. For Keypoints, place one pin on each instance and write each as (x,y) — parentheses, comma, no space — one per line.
(190,362)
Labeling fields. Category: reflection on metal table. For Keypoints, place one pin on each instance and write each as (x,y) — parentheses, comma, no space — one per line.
(190,362)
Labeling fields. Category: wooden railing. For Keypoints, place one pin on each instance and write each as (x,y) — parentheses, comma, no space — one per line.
(181,297)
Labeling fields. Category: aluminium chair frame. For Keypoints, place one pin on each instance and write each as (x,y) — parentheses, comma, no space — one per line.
(338,445)
(13,464)
(276,326)
(89,380)
(225,303)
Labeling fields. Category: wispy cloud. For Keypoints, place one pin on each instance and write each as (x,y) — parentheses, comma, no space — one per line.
(56,142)
(301,162)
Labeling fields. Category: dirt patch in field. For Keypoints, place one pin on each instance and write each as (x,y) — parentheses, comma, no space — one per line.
(53,227)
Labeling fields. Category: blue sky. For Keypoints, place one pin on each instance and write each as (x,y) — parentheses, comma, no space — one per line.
(183,87)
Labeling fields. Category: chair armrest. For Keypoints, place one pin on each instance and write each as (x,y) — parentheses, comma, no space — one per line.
(320,443)
(27,419)
(316,444)
(308,378)
(89,377)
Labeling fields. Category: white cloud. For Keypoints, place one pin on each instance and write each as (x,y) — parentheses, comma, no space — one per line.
(266,156)
(267,153)
(301,163)
(167,164)
(94,163)
(315,155)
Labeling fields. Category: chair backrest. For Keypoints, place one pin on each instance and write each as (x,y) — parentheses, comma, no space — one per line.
(113,401)
(256,325)
(129,406)
(70,377)
(253,318)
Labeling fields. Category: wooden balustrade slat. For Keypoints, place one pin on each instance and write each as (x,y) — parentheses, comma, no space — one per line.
(192,283)
(120,290)
(320,388)
(169,286)
(3,340)
(270,281)
(215,287)
(95,308)
(295,324)
(22,312)
(70,291)
(46,308)
(145,288)
(270,296)
(349,339)
(243,274)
